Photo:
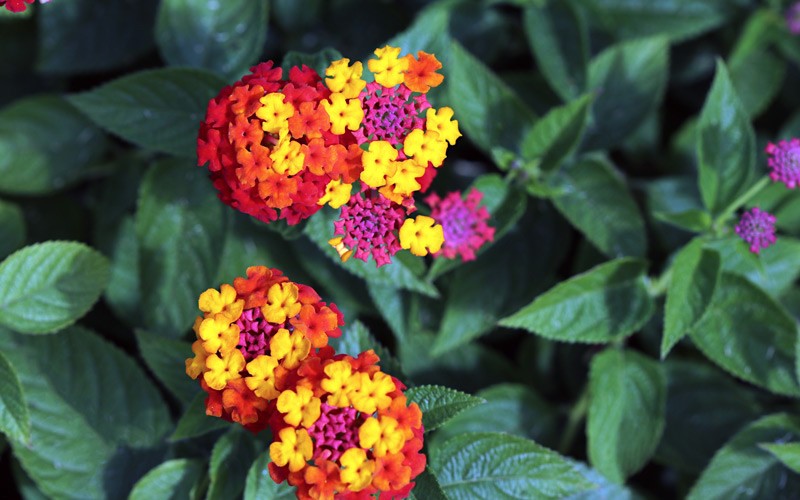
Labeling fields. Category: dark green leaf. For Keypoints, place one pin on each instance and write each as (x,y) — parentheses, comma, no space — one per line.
(123,292)
(605,303)
(555,137)
(629,79)
(158,109)
(226,38)
(558,35)
(787,453)
(428,32)
(694,277)
(92,408)
(84,36)
(605,489)
(228,468)
(392,305)
(694,220)
(165,357)
(181,227)
(173,480)
(757,80)
(594,198)
(195,422)
(487,110)
(37,157)
(705,408)
(427,487)
(15,420)
(749,335)
(47,286)
(440,404)
(260,486)
(741,469)
(499,466)
(725,145)
(12,227)
(398,274)
(678,19)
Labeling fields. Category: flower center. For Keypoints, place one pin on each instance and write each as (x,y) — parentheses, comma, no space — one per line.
(335,432)
(254,333)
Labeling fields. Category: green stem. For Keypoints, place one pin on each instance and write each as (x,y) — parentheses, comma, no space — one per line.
(576,416)
(740,201)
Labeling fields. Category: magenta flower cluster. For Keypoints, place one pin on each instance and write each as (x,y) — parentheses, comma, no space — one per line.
(757,228)
(463,221)
(368,224)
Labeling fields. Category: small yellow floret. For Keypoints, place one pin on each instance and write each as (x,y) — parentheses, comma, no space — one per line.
(196,365)
(300,406)
(383,435)
(344,113)
(356,469)
(281,303)
(221,370)
(340,383)
(425,147)
(275,113)
(288,348)
(378,163)
(421,235)
(293,448)
(389,68)
(336,194)
(345,79)
(262,376)
(441,121)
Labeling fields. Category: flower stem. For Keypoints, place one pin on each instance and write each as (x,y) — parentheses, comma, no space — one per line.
(576,417)
(739,202)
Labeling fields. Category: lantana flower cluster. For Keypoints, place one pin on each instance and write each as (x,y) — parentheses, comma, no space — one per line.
(341,427)
(282,149)
(18,5)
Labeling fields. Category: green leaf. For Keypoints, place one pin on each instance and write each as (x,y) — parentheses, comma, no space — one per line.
(85,36)
(628,394)
(749,335)
(695,274)
(499,466)
(427,487)
(47,286)
(318,61)
(12,227)
(558,36)
(37,157)
(203,34)
(181,227)
(165,357)
(392,304)
(705,408)
(555,137)
(693,219)
(428,32)
(398,274)
(173,479)
(228,468)
(725,145)
(440,404)
(488,111)
(741,469)
(787,453)
(606,303)
(605,489)
(123,293)
(510,408)
(15,419)
(94,414)
(629,79)
(594,198)
(259,485)
(158,109)
(757,80)
(195,422)
(356,339)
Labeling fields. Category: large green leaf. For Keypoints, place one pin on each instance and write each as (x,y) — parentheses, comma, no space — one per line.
(593,196)
(398,274)
(628,394)
(159,109)
(123,293)
(37,157)
(554,138)
(558,35)
(47,286)
(259,485)
(705,408)
(677,19)
(194,421)
(94,414)
(488,111)
(232,455)
(605,303)
(787,453)
(84,36)
(630,79)
(181,227)
(750,335)
(741,469)
(12,227)
(694,277)
(499,466)
(725,145)
(204,34)
(173,480)
(165,357)
(440,404)
(15,420)
(427,487)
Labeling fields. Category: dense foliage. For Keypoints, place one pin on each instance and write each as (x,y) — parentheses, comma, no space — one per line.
(620,320)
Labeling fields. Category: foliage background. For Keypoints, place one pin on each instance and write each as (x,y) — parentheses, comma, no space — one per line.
(613,170)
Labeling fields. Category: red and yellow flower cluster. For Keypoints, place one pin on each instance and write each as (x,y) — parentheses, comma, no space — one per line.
(281,149)
(341,427)
(16,5)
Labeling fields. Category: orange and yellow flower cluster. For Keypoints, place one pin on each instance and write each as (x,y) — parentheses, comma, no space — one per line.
(284,148)
(341,427)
